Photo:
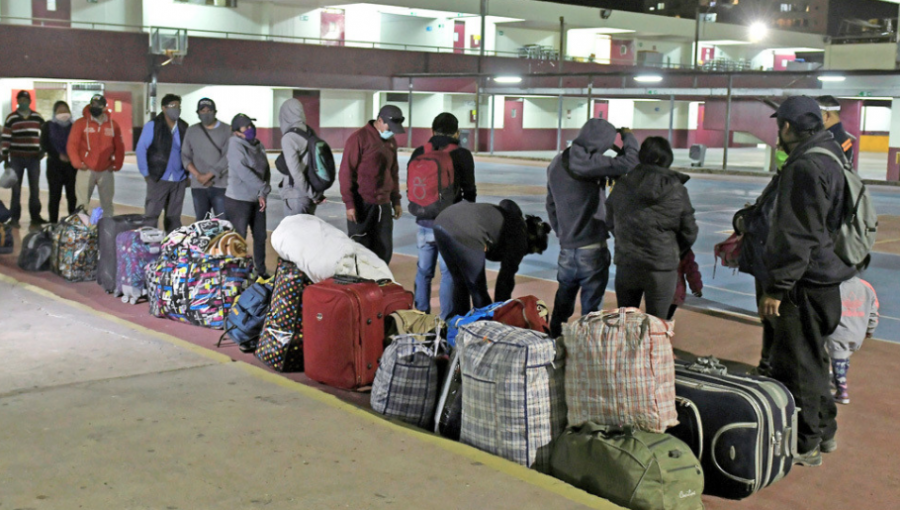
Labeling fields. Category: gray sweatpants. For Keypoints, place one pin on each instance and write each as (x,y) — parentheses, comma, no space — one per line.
(168,196)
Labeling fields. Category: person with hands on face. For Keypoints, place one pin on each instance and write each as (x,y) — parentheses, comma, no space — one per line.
(205,155)
(248,186)
(158,154)
(370,182)
(96,149)
(61,174)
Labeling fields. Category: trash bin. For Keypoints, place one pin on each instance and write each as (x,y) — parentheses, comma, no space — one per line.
(697,155)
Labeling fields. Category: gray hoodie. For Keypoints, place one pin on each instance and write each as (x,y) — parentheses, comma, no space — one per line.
(294,147)
(248,170)
(576,198)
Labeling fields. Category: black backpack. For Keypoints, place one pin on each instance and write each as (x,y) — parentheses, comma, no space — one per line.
(36,247)
(320,169)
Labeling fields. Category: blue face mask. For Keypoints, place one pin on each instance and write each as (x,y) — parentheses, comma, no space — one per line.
(250,134)
(386,135)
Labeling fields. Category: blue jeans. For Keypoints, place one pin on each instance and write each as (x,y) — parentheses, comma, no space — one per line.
(579,268)
(428,259)
(208,199)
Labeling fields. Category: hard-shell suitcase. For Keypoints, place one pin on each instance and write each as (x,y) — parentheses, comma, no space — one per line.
(741,427)
(108,229)
(134,250)
(343,322)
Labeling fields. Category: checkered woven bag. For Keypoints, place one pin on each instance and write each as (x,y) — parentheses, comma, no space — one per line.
(406,383)
(513,402)
(281,341)
(620,370)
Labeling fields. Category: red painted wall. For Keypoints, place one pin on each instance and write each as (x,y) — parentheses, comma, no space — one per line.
(893,172)
(63,13)
(746,116)
(122,115)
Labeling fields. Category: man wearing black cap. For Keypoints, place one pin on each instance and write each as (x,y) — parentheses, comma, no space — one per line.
(370,182)
(21,150)
(831,115)
(205,155)
(802,297)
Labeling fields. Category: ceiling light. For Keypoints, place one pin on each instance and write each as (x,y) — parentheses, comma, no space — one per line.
(758,31)
(508,79)
(648,78)
(832,78)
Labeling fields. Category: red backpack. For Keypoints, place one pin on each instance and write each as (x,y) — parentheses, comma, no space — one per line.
(729,251)
(430,182)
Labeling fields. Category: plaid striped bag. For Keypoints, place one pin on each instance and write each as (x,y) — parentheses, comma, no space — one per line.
(620,370)
(281,342)
(406,383)
(513,402)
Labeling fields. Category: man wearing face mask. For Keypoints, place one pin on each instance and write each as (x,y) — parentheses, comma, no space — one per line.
(205,155)
(96,150)
(159,160)
(60,172)
(370,182)
(21,150)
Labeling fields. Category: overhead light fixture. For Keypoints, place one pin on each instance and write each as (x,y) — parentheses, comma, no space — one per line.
(648,78)
(508,79)
(758,31)
(832,78)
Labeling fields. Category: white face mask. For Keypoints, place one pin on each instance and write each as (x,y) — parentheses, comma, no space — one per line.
(63,118)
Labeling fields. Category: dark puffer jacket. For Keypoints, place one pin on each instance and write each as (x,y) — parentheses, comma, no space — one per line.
(650,214)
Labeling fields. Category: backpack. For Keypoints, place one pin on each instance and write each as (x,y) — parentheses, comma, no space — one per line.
(729,251)
(430,182)
(320,168)
(36,248)
(245,320)
(859,225)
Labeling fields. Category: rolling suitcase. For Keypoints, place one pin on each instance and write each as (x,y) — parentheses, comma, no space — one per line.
(134,250)
(741,427)
(108,229)
(343,323)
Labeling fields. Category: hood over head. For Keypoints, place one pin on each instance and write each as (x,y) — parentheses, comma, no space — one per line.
(291,115)
(596,135)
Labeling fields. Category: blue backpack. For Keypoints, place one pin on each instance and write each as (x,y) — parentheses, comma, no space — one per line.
(245,320)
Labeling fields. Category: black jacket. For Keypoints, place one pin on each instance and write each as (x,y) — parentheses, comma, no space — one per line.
(843,139)
(753,223)
(463,165)
(649,212)
(808,210)
(576,184)
(161,148)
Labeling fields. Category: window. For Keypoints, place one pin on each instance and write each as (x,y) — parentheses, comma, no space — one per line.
(787,7)
(661,5)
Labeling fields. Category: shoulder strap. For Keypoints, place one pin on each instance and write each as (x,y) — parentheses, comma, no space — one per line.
(206,132)
(841,160)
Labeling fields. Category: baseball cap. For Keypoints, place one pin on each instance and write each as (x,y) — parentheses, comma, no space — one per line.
(803,112)
(98,98)
(206,103)
(240,120)
(23,93)
(393,116)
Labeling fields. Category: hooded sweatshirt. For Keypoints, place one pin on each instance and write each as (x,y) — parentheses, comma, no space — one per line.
(96,142)
(576,198)
(294,147)
(650,214)
(248,170)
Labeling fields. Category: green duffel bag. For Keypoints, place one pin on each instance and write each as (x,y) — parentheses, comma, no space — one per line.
(634,469)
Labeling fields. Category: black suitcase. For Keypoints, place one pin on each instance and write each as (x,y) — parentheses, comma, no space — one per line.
(109,228)
(741,427)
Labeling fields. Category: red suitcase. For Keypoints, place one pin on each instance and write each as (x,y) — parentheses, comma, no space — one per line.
(343,328)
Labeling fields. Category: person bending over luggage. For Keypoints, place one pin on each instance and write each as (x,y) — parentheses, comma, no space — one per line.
(576,205)
(60,172)
(468,234)
(248,186)
(443,144)
(299,197)
(650,214)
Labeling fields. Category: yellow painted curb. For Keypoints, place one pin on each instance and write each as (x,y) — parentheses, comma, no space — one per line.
(500,464)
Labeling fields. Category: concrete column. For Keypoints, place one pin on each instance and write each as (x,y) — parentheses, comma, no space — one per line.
(893,168)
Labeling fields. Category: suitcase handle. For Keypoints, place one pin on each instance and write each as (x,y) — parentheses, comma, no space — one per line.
(349,279)
(708,365)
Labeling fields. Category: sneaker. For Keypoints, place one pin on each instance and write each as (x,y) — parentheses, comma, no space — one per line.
(842,397)
(828,446)
(810,459)
(37,222)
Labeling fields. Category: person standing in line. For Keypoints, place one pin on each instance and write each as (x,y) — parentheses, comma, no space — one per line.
(576,205)
(96,149)
(159,160)
(831,117)
(61,174)
(248,186)
(444,143)
(370,182)
(650,214)
(205,155)
(20,148)
(802,295)
(298,195)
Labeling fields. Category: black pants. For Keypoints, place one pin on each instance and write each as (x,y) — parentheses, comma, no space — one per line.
(242,215)
(800,360)
(30,168)
(206,200)
(656,287)
(467,268)
(60,176)
(765,367)
(166,196)
(374,229)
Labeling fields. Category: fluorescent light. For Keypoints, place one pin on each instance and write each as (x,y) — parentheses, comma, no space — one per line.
(832,78)
(611,31)
(758,31)
(508,79)
(723,42)
(648,78)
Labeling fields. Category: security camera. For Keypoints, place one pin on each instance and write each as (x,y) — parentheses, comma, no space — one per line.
(605,13)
